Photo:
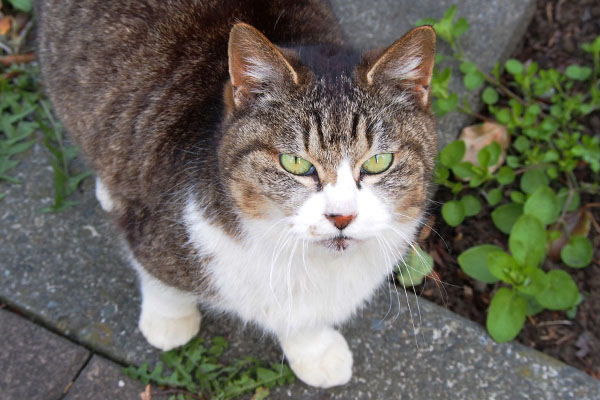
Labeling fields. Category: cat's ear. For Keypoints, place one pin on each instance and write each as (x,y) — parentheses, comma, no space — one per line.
(255,64)
(407,65)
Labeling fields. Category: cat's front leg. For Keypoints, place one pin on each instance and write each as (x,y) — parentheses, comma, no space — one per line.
(319,357)
(169,317)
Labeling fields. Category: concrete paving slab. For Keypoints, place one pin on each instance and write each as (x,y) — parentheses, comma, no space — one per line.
(67,270)
(103,379)
(496,26)
(35,363)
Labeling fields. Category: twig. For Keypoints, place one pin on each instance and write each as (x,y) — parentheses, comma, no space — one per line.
(16,59)
(474,114)
(533,166)
(591,205)
(557,322)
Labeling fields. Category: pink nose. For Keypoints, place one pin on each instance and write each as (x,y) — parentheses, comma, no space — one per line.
(340,221)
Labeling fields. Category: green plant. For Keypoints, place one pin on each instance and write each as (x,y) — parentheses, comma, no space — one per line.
(195,372)
(22,5)
(23,112)
(413,270)
(18,100)
(536,190)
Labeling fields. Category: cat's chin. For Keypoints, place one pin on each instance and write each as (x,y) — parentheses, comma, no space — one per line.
(339,244)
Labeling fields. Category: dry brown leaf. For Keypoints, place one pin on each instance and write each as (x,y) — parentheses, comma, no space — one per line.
(16,59)
(145,395)
(476,137)
(5,24)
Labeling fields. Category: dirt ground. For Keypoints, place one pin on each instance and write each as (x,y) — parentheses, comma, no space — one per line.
(552,40)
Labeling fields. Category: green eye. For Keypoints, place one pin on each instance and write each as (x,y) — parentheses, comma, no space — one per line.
(295,165)
(378,163)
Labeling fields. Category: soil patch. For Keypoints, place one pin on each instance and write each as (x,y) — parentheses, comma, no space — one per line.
(553,39)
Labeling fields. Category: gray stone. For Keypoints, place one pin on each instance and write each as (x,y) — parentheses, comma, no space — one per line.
(35,363)
(68,271)
(103,379)
(496,26)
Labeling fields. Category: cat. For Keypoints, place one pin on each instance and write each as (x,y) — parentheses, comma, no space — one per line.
(252,162)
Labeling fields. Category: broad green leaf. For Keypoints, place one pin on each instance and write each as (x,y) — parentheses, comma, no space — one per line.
(443,106)
(578,72)
(533,307)
(419,265)
(527,241)
(535,282)
(494,196)
(551,156)
(471,205)
(453,153)
(506,315)
(514,67)
(473,80)
(561,293)
(502,266)
(476,181)
(490,95)
(505,216)
(533,179)
(543,205)
(578,252)
(264,374)
(474,262)
(483,157)
(495,151)
(463,169)
(517,197)
(521,144)
(467,67)
(512,161)
(22,5)
(453,212)
(441,174)
(460,26)
(506,175)
(552,172)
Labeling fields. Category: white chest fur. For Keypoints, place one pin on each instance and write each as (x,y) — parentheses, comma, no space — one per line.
(283,283)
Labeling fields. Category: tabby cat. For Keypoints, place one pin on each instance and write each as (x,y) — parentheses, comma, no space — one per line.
(253,163)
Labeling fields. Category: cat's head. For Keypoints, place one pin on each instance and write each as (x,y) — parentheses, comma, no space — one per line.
(339,148)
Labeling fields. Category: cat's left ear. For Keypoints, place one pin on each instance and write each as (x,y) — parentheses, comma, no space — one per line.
(255,64)
(407,65)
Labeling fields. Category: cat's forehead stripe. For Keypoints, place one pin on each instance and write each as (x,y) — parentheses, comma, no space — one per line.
(319,130)
(355,119)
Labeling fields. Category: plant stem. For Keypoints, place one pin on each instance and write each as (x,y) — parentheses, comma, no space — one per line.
(463,110)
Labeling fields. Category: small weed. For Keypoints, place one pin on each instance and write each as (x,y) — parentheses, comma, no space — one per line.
(531,184)
(195,372)
(24,111)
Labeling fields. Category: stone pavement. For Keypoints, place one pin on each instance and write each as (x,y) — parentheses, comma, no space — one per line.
(67,273)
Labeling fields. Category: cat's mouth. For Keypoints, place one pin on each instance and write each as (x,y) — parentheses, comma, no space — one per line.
(339,243)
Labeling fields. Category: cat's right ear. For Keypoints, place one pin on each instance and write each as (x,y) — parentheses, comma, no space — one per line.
(405,67)
(255,65)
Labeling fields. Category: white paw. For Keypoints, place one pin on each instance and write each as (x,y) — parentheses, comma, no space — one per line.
(168,333)
(323,360)
(103,196)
